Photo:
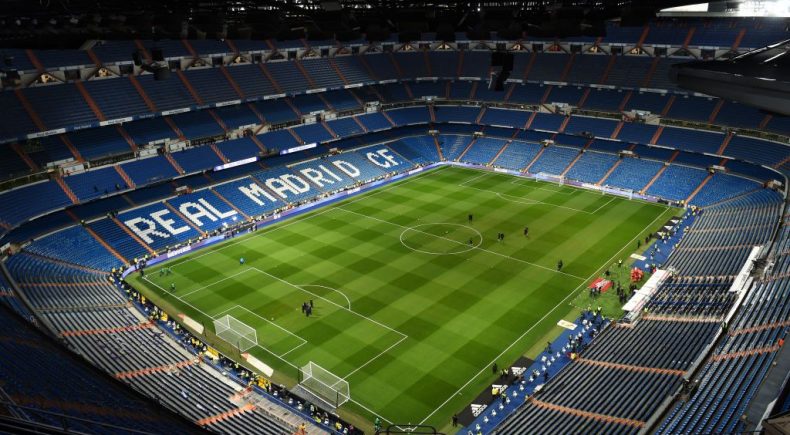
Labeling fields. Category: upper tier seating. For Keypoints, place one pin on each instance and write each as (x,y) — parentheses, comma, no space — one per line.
(251,80)
(166,94)
(95,143)
(50,101)
(287,76)
(48,195)
(633,174)
(554,160)
(483,150)
(322,73)
(93,184)
(149,170)
(149,130)
(591,167)
(677,182)
(211,85)
(116,98)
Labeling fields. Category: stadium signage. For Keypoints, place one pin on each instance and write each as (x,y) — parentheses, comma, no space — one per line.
(116,121)
(179,251)
(46,133)
(162,223)
(227,103)
(175,111)
(299,148)
(266,192)
(236,163)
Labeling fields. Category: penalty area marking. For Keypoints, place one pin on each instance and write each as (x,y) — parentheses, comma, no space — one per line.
(563,301)
(327,288)
(280,357)
(415,228)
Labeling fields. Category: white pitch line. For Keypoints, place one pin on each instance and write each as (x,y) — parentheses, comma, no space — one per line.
(213,283)
(296,347)
(374,358)
(473,179)
(462,243)
(307,215)
(215,318)
(272,323)
(573,293)
(519,199)
(270,352)
(602,206)
(328,288)
(331,302)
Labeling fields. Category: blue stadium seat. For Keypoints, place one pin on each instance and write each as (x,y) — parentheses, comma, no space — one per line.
(278,139)
(197,124)
(633,174)
(166,94)
(251,80)
(30,200)
(677,182)
(287,75)
(409,115)
(205,210)
(238,149)
(93,184)
(322,73)
(596,126)
(276,111)
(374,121)
(554,160)
(691,140)
(141,222)
(483,151)
(144,131)
(465,114)
(341,99)
(517,155)
(505,117)
(94,143)
(313,133)
(237,116)
(197,159)
(345,127)
(591,166)
(149,170)
(211,85)
(352,69)
(60,105)
(116,97)
(307,103)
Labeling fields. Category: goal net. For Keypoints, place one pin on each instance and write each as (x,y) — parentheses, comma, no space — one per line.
(551,178)
(236,332)
(325,385)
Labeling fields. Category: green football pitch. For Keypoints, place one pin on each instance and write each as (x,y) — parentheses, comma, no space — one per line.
(413,303)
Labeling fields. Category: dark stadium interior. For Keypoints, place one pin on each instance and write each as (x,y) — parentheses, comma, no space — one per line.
(137,138)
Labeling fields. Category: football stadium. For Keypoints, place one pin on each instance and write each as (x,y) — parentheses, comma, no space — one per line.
(348,217)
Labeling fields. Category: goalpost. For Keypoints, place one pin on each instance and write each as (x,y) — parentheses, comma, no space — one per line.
(551,178)
(236,332)
(324,385)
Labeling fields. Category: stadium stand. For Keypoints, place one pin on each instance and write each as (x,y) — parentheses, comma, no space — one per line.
(677,182)
(554,160)
(616,385)
(591,167)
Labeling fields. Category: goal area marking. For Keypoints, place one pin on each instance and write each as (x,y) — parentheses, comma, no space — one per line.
(236,332)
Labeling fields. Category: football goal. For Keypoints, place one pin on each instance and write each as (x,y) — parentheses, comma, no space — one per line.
(324,385)
(236,332)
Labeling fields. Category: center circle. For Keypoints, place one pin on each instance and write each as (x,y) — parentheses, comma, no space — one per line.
(441,238)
